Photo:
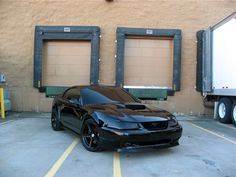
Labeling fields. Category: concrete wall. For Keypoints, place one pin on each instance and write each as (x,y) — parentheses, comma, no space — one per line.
(19,17)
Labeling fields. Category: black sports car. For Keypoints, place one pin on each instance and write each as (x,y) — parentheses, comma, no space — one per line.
(110,118)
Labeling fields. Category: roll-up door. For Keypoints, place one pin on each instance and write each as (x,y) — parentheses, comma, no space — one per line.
(66,63)
(148,62)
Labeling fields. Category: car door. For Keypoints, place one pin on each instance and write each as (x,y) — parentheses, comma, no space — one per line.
(70,109)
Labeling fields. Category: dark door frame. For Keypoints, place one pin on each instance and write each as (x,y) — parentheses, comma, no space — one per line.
(86,33)
(123,32)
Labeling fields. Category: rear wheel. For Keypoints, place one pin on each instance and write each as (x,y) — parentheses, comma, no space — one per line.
(55,119)
(224,110)
(90,136)
(233,115)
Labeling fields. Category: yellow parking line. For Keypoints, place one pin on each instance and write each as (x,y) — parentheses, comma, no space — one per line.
(213,133)
(116,165)
(63,157)
(226,125)
(6,122)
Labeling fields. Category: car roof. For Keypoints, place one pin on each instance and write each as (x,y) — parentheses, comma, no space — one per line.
(98,87)
(79,87)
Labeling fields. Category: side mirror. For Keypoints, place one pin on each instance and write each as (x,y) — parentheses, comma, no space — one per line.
(74,102)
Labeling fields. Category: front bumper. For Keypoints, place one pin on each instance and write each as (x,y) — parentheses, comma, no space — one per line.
(136,139)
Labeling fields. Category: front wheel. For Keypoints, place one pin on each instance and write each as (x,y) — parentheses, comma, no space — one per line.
(233,114)
(224,110)
(55,119)
(90,136)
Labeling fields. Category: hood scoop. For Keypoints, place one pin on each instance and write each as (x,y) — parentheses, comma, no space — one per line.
(135,106)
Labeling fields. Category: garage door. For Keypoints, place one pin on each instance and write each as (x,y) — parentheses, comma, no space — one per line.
(66,63)
(148,62)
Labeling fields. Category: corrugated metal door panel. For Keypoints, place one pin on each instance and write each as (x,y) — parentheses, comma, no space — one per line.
(66,63)
(148,62)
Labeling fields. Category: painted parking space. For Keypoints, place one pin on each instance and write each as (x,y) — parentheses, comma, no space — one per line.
(87,164)
(225,130)
(52,172)
(32,148)
(28,147)
(199,154)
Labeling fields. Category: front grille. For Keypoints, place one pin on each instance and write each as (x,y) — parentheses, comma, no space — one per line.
(160,125)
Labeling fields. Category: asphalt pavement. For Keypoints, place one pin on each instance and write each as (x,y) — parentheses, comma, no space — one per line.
(30,148)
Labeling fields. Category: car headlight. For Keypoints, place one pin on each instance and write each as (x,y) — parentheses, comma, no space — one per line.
(172,121)
(116,123)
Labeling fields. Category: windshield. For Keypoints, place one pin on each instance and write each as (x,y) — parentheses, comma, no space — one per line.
(105,95)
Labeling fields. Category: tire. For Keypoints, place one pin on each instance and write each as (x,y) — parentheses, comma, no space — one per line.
(90,136)
(55,119)
(224,110)
(233,113)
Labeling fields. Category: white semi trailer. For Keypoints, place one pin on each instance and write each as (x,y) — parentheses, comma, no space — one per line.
(216,67)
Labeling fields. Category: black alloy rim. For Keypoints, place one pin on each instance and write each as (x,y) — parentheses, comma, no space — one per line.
(54,117)
(90,136)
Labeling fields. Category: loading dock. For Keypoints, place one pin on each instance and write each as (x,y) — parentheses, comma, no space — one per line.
(122,34)
(156,55)
(59,49)
(28,145)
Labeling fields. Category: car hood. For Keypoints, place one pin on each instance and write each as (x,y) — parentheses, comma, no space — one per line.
(131,112)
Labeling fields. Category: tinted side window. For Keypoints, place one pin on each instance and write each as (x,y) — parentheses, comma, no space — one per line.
(72,93)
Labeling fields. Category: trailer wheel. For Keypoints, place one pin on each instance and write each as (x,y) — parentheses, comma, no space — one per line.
(224,110)
(233,115)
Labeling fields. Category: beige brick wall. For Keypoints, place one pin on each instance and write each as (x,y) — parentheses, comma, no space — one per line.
(19,17)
